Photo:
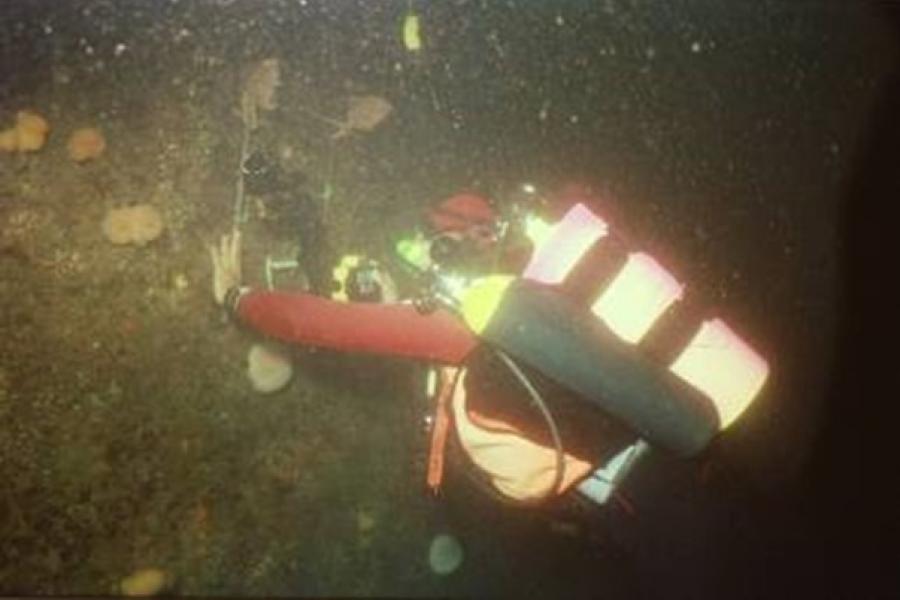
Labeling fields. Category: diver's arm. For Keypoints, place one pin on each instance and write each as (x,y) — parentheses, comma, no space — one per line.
(301,318)
(387,329)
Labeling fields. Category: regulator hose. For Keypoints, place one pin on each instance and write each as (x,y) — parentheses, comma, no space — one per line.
(548,418)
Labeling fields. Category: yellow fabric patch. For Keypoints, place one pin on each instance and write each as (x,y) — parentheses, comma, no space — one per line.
(480,300)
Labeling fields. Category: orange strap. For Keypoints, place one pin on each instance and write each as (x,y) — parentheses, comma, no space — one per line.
(440,428)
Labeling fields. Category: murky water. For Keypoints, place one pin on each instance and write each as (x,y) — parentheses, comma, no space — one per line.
(130,437)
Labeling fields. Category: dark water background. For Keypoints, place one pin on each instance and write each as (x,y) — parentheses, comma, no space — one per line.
(750,143)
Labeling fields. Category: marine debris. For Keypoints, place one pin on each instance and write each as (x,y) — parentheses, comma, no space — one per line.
(412,38)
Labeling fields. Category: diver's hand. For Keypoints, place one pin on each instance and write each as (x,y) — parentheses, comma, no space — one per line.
(226,262)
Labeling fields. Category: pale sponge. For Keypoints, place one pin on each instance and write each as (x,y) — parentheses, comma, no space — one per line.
(133,224)
(28,134)
(268,368)
(86,144)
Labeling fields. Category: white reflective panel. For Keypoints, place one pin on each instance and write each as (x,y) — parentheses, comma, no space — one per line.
(637,296)
(724,367)
(537,230)
(565,243)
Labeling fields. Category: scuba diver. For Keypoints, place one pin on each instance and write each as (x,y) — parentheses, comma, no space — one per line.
(561,352)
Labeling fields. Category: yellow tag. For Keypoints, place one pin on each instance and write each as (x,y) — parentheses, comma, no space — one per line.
(481,299)
(411,38)
(340,274)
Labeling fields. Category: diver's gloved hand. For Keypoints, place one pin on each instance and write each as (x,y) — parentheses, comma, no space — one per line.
(226,262)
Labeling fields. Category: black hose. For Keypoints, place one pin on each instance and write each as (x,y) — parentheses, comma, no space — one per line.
(548,418)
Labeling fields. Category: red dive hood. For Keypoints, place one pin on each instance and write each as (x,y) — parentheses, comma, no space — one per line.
(460,213)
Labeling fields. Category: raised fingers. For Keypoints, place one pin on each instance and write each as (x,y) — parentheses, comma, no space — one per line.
(214,255)
(224,247)
(235,254)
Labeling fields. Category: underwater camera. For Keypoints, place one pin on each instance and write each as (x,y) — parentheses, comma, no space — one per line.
(359,279)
